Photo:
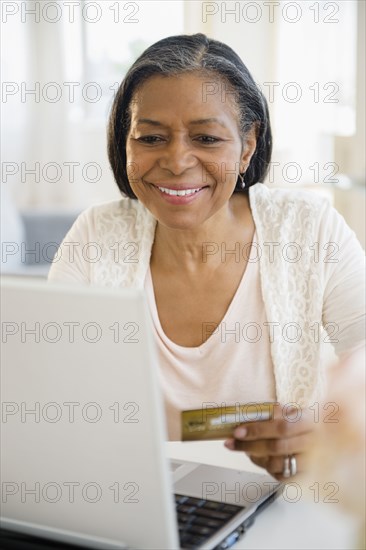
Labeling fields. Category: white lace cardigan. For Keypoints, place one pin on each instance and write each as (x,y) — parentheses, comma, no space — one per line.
(317,280)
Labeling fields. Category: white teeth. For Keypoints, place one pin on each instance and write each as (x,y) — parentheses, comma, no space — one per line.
(180,193)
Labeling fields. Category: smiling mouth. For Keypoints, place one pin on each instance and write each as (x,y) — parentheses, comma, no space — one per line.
(180,192)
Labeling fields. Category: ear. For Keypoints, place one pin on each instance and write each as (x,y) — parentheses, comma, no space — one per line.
(249,146)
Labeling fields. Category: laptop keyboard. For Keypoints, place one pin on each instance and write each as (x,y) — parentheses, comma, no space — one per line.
(199,519)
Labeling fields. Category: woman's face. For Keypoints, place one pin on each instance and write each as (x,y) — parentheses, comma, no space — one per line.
(184,137)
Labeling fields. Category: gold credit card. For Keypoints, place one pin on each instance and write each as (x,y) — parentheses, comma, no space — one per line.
(220,422)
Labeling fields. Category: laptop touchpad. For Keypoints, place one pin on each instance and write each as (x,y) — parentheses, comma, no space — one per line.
(225,485)
(181,469)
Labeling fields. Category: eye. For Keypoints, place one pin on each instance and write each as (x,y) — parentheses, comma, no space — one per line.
(150,140)
(208,140)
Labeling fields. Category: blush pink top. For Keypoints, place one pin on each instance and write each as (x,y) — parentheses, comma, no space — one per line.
(233,365)
(322,293)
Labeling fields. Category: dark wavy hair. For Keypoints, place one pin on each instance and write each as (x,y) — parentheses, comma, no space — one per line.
(179,54)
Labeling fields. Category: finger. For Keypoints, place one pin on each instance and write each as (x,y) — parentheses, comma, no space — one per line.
(284,426)
(260,461)
(275,465)
(275,447)
(230,444)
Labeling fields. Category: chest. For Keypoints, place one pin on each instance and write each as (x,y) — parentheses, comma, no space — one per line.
(190,310)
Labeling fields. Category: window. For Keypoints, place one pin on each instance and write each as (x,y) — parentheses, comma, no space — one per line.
(313,99)
(106,40)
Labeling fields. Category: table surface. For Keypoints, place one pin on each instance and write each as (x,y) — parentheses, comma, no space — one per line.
(295,520)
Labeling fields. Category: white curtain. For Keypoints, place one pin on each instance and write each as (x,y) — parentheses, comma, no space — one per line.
(74,65)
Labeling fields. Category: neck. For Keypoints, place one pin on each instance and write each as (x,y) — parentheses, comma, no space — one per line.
(199,249)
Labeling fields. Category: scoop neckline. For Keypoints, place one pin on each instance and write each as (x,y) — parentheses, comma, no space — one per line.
(199,348)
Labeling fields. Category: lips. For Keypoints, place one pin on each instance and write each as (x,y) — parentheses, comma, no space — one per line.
(179,192)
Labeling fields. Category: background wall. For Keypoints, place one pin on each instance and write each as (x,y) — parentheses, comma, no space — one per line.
(62,63)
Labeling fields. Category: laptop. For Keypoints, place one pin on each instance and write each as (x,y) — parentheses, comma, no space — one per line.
(83,455)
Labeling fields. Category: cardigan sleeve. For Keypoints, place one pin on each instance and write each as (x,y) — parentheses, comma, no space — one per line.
(343,261)
(72,263)
(108,245)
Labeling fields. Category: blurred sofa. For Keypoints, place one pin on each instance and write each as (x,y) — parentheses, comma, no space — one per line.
(30,238)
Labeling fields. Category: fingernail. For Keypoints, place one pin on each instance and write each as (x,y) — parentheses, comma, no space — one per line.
(229,444)
(240,432)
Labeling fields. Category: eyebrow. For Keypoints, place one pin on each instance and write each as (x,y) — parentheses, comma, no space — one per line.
(195,122)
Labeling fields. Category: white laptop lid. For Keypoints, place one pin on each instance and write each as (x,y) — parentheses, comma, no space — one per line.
(82,432)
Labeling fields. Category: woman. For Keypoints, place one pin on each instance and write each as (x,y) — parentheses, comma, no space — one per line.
(239,278)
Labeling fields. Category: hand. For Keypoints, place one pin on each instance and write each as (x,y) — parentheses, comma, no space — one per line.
(339,454)
(267,443)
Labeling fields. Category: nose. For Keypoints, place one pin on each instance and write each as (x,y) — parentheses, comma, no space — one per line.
(178,156)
